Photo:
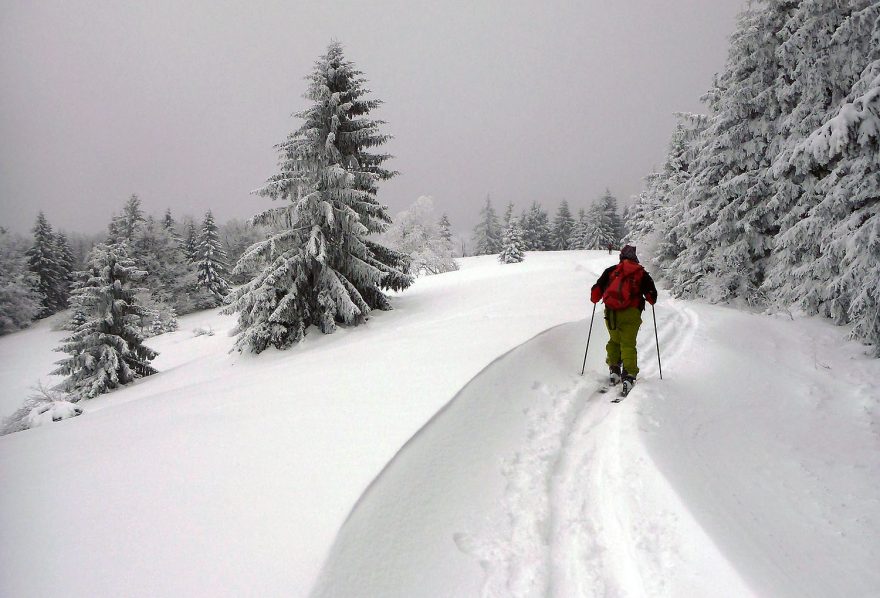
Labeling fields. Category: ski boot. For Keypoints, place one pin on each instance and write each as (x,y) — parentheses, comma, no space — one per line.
(614,375)
(628,383)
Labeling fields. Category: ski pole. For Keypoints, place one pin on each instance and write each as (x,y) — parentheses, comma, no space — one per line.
(656,338)
(589,334)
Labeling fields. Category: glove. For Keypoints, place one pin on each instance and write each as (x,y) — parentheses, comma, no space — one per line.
(595,294)
(651,298)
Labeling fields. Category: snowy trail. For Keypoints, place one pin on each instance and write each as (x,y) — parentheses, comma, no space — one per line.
(526,475)
(531,483)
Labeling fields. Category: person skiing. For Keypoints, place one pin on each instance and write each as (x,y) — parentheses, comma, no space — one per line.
(624,288)
(610,247)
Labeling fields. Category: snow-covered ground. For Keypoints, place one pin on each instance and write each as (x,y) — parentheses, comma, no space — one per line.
(451,448)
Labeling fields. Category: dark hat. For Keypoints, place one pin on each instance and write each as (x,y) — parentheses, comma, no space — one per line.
(629,253)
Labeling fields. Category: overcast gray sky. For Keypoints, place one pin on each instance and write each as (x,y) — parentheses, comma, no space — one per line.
(182,102)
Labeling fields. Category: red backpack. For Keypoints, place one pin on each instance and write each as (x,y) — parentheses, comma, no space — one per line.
(624,288)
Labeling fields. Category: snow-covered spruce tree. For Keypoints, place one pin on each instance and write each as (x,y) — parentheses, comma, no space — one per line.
(168,222)
(579,232)
(563,227)
(639,220)
(600,231)
(609,204)
(126,225)
(446,230)
(832,54)
(667,204)
(487,233)
(191,242)
(19,300)
(171,281)
(320,268)
(44,262)
(512,246)
(211,261)
(107,350)
(416,234)
(170,225)
(65,262)
(536,228)
(829,259)
(508,214)
(729,226)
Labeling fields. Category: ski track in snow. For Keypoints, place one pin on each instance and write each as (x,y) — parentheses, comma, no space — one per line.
(564,536)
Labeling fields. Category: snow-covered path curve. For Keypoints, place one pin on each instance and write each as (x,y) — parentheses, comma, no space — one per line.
(752,469)
(524,487)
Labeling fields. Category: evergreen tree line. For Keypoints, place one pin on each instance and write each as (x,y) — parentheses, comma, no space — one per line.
(186,266)
(34,279)
(596,228)
(773,197)
(131,285)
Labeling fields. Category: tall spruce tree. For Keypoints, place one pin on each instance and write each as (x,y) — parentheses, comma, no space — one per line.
(170,225)
(191,242)
(487,233)
(508,214)
(600,231)
(729,226)
(446,230)
(639,219)
(131,219)
(563,227)
(44,261)
(65,265)
(536,228)
(827,254)
(609,204)
(321,267)
(512,245)
(168,221)
(666,198)
(211,260)
(579,232)
(106,350)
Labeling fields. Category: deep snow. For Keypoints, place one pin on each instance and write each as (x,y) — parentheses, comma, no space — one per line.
(439,451)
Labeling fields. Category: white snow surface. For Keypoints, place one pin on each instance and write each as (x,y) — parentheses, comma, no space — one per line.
(451,448)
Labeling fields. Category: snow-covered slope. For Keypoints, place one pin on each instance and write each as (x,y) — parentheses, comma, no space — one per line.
(230,474)
(752,469)
(438,451)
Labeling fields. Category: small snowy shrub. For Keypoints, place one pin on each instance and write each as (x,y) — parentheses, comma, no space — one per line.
(203,331)
(51,411)
(44,406)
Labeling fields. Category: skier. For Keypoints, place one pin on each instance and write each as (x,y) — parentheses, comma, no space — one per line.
(624,288)
(610,247)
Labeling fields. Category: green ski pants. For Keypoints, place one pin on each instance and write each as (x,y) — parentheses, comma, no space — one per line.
(623,327)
